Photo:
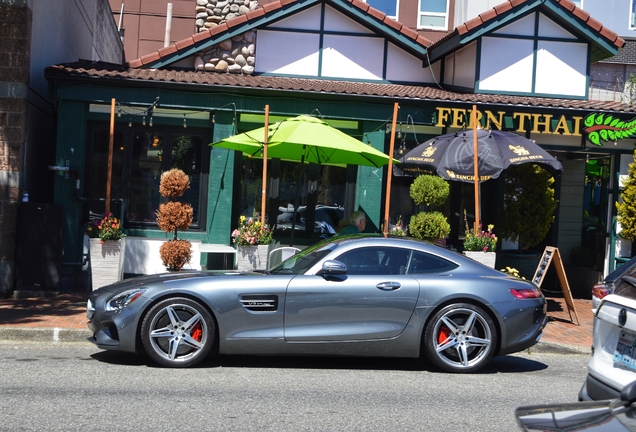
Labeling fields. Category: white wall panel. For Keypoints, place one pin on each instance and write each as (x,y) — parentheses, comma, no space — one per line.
(336,21)
(506,65)
(402,66)
(465,61)
(561,68)
(286,53)
(306,20)
(548,28)
(351,57)
(521,27)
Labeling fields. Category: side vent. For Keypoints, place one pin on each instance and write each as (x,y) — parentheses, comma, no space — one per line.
(260,303)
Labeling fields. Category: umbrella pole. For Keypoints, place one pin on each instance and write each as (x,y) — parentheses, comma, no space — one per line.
(476,167)
(264,184)
(296,203)
(111,144)
(387,200)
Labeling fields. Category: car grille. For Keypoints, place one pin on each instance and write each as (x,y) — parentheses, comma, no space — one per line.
(260,303)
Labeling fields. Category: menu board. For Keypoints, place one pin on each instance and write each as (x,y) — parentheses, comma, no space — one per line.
(551,254)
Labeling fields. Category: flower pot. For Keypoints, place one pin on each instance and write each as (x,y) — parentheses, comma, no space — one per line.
(486,258)
(252,257)
(107,261)
(526,263)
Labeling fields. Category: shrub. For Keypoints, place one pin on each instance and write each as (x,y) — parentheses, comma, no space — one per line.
(429,190)
(429,226)
(627,205)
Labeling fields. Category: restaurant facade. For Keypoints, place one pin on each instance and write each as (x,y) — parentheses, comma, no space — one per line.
(524,65)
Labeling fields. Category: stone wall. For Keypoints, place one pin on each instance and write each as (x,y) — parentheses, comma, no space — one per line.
(231,56)
(15,45)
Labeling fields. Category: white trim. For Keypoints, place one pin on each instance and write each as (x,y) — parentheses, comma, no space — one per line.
(631,16)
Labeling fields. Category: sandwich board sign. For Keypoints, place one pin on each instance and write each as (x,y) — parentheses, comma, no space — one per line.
(551,254)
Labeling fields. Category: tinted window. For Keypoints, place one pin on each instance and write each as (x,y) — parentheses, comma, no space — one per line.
(626,285)
(423,263)
(378,260)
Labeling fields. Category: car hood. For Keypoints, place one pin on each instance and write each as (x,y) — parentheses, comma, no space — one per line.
(158,278)
(582,416)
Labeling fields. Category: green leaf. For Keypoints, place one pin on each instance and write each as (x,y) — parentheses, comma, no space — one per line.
(608,120)
(599,119)
(589,120)
(615,122)
(594,138)
(612,135)
(603,134)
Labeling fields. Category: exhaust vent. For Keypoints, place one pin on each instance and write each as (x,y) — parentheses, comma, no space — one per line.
(260,303)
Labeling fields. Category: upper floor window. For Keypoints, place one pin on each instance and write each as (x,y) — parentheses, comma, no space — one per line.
(389,7)
(433,14)
(578,3)
(632,15)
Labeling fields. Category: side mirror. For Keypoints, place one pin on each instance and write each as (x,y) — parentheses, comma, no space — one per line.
(628,394)
(332,267)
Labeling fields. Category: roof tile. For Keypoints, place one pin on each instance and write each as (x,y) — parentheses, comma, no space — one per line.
(360,5)
(85,69)
(236,21)
(376,14)
(473,23)
(503,7)
(200,36)
(170,49)
(567,4)
(410,33)
(268,7)
(580,14)
(393,23)
(515,3)
(135,63)
(596,25)
(184,43)
(149,58)
(488,15)
(259,11)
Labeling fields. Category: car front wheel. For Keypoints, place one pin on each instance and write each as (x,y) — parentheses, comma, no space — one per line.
(177,332)
(460,338)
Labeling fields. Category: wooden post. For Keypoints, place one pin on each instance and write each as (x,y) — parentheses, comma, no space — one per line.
(111,144)
(476,167)
(387,201)
(264,184)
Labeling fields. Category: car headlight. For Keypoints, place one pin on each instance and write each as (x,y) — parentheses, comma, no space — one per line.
(125,298)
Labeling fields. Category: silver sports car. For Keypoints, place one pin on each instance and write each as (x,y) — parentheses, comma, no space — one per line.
(347,296)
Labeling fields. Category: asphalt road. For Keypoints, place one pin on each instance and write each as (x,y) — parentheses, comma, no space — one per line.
(75,386)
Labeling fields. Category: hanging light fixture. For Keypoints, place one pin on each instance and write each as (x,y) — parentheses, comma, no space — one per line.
(143,120)
(129,121)
(185,124)
(150,121)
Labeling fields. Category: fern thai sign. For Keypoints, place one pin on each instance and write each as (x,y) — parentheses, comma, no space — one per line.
(602,128)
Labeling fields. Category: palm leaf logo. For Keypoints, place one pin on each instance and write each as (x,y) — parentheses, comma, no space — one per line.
(602,128)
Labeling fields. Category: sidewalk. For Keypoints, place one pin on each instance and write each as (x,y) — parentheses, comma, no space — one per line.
(63,319)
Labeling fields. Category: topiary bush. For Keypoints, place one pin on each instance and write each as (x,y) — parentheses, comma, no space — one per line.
(529,205)
(627,205)
(429,226)
(431,191)
(172,217)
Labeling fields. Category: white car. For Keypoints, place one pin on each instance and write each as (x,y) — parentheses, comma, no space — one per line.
(613,362)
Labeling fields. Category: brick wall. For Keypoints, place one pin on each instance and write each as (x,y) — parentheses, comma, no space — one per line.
(15,45)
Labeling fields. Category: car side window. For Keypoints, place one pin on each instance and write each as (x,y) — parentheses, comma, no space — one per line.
(423,263)
(376,260)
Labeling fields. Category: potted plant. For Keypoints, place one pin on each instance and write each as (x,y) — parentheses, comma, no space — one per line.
(106,250)
(528,214)
(430,191)
(480,246)
(399,229)
(252,239)
(172,217)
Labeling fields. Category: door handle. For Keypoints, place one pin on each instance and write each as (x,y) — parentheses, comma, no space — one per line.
(388,286)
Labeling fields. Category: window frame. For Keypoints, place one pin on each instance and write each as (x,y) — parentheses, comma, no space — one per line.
(432,14)
(632,15)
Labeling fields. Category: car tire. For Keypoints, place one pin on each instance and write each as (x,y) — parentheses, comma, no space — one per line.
(178,332)
(460,338)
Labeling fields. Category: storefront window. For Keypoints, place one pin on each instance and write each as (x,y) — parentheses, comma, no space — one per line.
(319,192)
(139,158)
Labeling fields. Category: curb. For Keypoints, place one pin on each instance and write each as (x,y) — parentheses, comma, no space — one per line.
(44,334)
(557,348)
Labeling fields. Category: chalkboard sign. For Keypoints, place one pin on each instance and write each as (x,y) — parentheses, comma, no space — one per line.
(551,254)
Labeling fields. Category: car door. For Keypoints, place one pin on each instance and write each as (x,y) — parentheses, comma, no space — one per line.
(374,300)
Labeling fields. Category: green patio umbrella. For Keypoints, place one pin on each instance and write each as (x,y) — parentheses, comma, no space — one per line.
(306,139)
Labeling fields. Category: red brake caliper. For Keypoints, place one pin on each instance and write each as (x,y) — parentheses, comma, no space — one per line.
(444,333)
(197,332)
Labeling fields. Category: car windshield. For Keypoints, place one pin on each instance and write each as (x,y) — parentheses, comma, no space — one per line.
(303,261)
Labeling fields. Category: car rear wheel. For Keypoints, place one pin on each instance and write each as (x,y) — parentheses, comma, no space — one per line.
(460,338)
(177,332)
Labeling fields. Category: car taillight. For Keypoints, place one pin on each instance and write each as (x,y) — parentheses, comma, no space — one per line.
(601,290)
(528,293)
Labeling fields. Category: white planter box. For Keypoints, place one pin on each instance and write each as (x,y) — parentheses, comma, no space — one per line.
(485,258)
(252,257)
(107,261)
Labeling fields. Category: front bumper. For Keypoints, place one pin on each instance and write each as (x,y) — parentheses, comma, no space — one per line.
(113,330)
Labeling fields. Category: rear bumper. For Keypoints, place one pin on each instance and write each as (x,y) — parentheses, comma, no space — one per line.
(594,390)
(527,343)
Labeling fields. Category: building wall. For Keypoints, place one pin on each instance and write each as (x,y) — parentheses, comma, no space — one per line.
(35,34)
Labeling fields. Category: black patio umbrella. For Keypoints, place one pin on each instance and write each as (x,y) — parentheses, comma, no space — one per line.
(452,156)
